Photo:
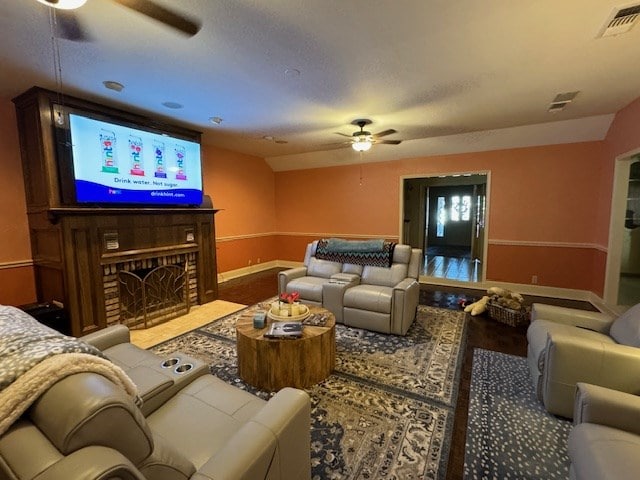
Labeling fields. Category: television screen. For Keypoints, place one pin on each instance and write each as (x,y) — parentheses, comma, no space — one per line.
(113,163)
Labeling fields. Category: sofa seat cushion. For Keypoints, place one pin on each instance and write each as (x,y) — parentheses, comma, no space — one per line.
(202,417)
(309,288)
(539,330)
(375,298)
(597,451)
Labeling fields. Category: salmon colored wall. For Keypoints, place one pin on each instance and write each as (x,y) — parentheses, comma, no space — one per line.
(17,286)
(242,187)
(623,137)
(624,134)
(16,282)
(537,195)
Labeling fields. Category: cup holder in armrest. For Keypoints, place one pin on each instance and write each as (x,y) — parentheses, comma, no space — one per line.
(170,362)
(184,368)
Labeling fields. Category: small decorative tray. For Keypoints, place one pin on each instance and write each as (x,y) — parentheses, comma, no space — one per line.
(281,318)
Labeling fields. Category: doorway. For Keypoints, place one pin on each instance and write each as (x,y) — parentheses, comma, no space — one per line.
(445,216)
(622,286)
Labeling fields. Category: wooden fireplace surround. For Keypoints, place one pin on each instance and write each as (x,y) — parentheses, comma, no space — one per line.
(70,244)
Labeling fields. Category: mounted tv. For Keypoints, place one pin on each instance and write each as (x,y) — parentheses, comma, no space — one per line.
(120,163)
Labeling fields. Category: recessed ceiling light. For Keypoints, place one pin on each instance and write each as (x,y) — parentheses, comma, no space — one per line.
(172,105)
(292,73)
(112,85)
(216,120)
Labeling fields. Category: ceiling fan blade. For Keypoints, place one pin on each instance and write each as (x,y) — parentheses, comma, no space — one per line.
(343,134)
(384,133)
(390,142)
(168,17)
(68,26)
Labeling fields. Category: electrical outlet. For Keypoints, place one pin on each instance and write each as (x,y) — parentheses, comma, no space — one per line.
(258,261)
(534,279)
(249,262)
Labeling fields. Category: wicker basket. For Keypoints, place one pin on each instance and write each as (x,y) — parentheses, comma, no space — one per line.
(509,316)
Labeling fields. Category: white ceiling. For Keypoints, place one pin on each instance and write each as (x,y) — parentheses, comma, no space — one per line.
(448,75)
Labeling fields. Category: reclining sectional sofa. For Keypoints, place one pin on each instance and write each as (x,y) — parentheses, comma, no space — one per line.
(191,425)
(379,298)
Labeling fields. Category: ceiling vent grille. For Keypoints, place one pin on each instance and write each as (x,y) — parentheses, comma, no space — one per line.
(561,100)
(620,21)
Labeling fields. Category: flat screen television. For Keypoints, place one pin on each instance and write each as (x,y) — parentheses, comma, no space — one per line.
(122,164)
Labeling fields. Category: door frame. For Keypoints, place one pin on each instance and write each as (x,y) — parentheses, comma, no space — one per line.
(485,246)
(616,224)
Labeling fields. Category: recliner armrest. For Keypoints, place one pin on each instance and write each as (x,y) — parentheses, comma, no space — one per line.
(92,463)
(108,337)
(406,296)
(350,278)
(603,406)
(286,276)
(405,284)
(597,321)
(610,365)
(275,443)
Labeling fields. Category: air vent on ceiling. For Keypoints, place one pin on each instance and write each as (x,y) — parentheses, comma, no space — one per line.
(561,100)
(620,21)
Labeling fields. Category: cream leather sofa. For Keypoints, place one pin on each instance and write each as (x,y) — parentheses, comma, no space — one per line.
(192,425)
(567,346)
(605,441)
(383,299)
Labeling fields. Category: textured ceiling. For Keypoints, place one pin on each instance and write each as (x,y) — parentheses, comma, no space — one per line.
(447,75)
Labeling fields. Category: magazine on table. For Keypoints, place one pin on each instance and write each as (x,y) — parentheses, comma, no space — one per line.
(284,330)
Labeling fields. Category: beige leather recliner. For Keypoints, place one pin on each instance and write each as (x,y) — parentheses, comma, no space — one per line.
(567,346)
(605,440)
(198,427)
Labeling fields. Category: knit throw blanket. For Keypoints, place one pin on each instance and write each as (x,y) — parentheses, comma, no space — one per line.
(378,253)
(33,357)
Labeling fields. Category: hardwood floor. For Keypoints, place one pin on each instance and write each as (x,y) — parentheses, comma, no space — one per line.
(482,333)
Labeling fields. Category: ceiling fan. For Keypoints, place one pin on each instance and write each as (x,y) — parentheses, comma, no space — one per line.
(70,28)
(362,140)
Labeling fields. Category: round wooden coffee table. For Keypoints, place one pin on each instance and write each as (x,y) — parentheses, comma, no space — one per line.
(271,364)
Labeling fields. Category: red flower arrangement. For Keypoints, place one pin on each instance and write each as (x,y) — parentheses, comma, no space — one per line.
(289,297)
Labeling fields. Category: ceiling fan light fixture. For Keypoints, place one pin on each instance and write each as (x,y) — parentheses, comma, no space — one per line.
(64,4)
(361,145)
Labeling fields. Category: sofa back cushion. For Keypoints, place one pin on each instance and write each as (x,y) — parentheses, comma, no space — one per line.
(87,409)
(322,268)
(386,277)
(352,269)
(626,328)
(402,254)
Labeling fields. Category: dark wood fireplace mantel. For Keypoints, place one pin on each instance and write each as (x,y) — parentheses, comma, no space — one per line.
(73,244)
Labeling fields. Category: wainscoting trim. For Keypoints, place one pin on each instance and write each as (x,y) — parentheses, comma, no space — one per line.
(16,264)
(230,238)
(521,243)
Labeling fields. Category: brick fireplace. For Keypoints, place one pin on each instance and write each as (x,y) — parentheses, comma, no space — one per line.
(146,292)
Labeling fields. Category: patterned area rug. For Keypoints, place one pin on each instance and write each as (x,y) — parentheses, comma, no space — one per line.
(386,411)
(509,433)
